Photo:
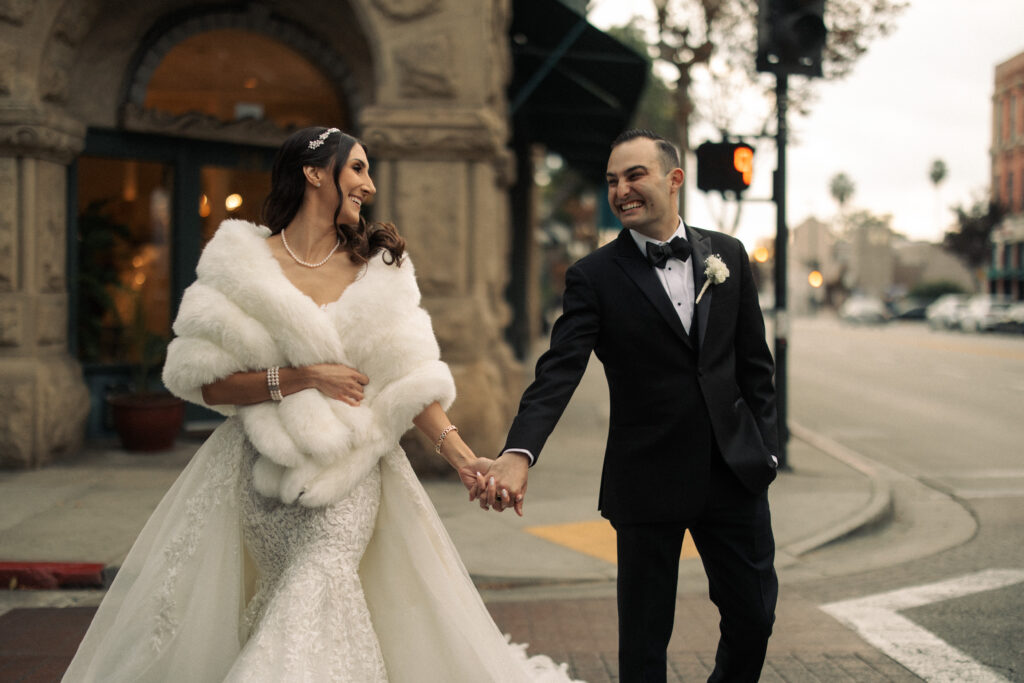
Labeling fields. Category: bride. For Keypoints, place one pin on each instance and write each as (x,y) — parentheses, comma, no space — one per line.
(298,544)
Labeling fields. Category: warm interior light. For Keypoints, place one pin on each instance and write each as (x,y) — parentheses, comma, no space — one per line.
(761,254)
(815,279)
(204,206)
(233,201)
(250,83)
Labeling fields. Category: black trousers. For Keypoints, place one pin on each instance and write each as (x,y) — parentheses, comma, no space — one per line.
(734,538)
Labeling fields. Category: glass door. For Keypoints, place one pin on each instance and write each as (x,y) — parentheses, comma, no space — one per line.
(227,192)
(141,208)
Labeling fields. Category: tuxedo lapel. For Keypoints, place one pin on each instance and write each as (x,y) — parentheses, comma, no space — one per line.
(701,246)
(629,258)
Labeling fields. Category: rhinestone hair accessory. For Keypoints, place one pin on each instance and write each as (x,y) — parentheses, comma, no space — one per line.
(313,144)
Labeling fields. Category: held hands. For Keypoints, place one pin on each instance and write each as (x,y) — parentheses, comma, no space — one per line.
(507,476)
(471,477)
(339,382)
(485,479)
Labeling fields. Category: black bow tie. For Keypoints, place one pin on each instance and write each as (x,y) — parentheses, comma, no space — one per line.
(658,254)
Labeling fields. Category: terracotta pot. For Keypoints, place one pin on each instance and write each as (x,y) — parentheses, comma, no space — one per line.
(147,422)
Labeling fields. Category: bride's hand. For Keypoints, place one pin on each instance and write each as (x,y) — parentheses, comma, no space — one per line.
(339,382)
(471,475)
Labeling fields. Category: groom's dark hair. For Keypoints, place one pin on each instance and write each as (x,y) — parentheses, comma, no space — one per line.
(667,152)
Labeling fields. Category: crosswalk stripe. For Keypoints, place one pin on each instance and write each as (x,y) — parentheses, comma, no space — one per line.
(875,618)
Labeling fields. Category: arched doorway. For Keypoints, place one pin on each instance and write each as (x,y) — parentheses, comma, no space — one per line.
(201,119)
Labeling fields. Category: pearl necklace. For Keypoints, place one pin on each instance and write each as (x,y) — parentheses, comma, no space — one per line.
(284,241)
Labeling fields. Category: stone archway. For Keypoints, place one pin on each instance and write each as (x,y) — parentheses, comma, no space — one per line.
(257,20)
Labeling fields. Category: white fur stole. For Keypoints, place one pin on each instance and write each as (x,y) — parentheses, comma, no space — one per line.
(243,314)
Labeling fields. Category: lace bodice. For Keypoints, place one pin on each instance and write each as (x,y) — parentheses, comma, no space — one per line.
(308,619)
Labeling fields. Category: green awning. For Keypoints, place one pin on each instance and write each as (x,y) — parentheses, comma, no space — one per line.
(574,88)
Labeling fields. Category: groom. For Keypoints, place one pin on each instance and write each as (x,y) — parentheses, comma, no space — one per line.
(672,314)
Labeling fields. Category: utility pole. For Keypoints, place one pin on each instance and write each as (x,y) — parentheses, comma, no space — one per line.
(790,38)
(781,244)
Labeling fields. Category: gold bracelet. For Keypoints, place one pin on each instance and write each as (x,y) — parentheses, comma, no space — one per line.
(444,434)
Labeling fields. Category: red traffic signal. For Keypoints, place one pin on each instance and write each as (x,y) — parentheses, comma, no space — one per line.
(725,167)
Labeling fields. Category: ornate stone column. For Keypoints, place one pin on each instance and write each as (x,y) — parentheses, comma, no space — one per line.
(442,176)
(43,399)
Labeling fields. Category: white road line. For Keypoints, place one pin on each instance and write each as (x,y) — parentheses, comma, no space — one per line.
(978,494)
(875,619)
(981,474)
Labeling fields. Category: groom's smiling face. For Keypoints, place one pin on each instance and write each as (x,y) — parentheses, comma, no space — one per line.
(641,193)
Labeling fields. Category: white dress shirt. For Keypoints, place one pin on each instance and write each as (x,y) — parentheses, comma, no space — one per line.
(676,277)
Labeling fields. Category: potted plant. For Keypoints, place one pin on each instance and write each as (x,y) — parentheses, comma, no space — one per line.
(146,418)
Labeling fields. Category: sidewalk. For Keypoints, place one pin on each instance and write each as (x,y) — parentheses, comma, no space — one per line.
(559,599)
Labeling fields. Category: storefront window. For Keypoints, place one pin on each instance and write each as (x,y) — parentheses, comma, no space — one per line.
(124,233)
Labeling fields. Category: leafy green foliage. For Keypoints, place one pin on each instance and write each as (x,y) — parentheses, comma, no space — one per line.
(99,236)
(972,241)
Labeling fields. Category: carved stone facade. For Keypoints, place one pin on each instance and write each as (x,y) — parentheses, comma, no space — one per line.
(426,86)
(45,400)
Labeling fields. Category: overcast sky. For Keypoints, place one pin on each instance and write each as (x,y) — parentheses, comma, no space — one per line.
(923,92)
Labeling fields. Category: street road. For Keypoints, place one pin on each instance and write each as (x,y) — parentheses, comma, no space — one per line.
(945,409)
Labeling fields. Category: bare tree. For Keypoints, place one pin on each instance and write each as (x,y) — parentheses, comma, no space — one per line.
(714,41)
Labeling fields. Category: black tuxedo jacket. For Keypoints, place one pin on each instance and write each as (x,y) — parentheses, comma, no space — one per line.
(673,396)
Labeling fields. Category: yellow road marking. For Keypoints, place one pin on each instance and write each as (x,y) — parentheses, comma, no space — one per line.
(596,538)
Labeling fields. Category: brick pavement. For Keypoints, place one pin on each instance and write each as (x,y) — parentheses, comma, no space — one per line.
(37,643)
(808,645)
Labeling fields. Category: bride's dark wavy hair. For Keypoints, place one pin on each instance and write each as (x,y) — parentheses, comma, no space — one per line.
(288,184)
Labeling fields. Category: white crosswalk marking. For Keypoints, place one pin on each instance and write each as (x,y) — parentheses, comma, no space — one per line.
(875,618)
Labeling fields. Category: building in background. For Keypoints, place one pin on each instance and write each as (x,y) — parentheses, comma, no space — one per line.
(1006,274)
(128,131)
(917,263)
(865,257)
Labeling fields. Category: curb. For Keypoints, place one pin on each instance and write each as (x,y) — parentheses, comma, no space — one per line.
(879,508)
(50,575)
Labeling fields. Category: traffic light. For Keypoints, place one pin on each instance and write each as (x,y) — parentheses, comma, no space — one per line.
(790,36)
(725,167)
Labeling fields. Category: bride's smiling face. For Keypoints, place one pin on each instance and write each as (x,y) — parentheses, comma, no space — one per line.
(355,185)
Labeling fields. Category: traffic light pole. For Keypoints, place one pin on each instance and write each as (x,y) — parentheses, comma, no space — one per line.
(781,243)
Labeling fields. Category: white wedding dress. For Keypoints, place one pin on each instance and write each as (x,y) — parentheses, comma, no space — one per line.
(224,584)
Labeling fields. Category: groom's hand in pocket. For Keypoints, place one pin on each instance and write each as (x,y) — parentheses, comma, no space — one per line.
(505,483)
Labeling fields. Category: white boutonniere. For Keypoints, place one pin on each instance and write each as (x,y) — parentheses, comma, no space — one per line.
(716,272)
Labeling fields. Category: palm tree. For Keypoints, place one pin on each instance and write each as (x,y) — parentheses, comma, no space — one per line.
(937,173)
(841,188)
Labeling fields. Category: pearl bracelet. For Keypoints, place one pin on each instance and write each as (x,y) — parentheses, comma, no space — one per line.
(274,383)
(444,434)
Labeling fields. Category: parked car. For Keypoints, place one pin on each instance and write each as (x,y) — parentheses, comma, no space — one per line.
(984,313)
(909,308)
(1013,319)
(863,309)
(945,312)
